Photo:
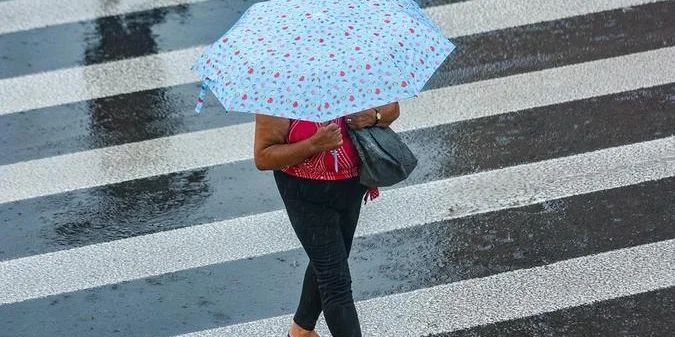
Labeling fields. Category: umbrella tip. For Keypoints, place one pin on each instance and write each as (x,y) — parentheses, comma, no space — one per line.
(200,100)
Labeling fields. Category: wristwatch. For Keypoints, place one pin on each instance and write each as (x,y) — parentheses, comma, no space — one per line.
(378,116)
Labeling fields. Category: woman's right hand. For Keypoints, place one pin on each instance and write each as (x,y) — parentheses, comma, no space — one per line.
(327,138)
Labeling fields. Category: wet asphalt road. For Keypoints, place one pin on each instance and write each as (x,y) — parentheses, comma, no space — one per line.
(394,262)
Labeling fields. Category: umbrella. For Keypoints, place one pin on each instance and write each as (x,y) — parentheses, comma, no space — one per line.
(318,60)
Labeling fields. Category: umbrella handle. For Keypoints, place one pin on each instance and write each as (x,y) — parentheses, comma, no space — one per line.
(200,100)
(335,155)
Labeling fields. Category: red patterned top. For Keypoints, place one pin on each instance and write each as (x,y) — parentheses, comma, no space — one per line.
(321,166)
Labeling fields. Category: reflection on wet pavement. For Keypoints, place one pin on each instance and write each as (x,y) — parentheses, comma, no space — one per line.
(113,211)
(111,207)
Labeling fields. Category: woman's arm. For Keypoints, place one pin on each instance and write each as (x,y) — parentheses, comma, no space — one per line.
(389,113)
(271,152)
(366,118)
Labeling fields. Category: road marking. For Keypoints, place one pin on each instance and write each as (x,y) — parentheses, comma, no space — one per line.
(501,297)
(201,245)
(76,84)
(18,15)
(187,151)
(480,16)
(172,68)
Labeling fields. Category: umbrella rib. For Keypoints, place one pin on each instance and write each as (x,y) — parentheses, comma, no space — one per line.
(403,75)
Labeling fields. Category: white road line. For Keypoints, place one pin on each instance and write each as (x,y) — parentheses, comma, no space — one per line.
(18,15)
(201,245)
(497,298)
(479,16)
(99,80)
(172,68)
(188,151)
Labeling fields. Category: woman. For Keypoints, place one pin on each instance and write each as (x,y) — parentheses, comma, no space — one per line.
(323,206)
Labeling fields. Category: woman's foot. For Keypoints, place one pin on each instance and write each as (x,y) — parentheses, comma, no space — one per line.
(297,331)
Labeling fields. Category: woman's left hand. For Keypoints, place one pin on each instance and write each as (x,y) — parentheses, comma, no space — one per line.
(362,119)
(367,118)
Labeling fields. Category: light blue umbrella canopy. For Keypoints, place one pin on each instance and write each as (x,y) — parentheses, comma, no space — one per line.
(318,60)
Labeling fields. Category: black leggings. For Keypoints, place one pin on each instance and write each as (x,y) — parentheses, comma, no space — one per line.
(324,216)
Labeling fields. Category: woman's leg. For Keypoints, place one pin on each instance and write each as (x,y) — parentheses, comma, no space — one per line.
(319,229)
(349,215)
(309,307)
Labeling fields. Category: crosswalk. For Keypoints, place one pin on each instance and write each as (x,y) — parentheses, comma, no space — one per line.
(177,152)
(546,180)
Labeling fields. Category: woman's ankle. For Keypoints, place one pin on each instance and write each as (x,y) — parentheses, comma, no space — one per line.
(297,331)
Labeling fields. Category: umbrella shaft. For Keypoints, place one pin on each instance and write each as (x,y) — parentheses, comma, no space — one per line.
(335,159)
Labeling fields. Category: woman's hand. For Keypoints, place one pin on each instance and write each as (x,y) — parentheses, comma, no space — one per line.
(367,118)
(327,138)
(360,120)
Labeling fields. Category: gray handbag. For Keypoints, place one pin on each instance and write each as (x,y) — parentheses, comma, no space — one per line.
(385,159)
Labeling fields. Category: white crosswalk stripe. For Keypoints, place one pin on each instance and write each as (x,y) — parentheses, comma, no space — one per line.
(469,303)
(17,15)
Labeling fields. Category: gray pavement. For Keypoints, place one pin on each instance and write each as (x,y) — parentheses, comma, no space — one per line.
(542,205)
